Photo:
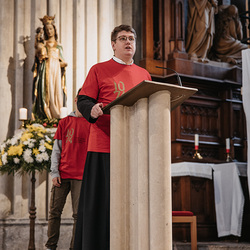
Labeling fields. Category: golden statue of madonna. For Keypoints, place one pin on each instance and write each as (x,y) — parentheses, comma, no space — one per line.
(49,72)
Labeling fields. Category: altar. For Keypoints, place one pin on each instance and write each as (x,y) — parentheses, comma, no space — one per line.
(216,193)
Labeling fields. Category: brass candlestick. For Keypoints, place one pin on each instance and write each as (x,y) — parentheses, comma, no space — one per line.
(22,125)
(228,159)
(22,116)
(197,155)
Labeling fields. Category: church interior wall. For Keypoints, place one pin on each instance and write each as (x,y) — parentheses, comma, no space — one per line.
(84,28)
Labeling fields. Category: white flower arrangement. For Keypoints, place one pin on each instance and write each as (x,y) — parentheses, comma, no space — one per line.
(28,150)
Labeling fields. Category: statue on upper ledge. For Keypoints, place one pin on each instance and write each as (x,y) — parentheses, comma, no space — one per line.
(49,87)
(201,28)
(227,45)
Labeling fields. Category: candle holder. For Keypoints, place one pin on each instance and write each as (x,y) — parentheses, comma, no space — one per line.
(196,147)
(197,155)
(22,125)
(22,116)
(228,158)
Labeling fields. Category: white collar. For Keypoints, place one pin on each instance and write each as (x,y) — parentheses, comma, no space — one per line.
(121,61)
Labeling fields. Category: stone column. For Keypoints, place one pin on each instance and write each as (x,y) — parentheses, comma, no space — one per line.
(66,39)
(106,25)
(91,33)
(79,54)
(139,175)
(160,171)
(141,209)
(119,180)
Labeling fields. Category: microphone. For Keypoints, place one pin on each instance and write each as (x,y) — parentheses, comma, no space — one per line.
(177,75)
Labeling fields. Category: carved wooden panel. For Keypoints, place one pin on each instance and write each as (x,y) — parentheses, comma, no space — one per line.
(215,112)
(200,119)
(215,116)
(201,115)
(196,195)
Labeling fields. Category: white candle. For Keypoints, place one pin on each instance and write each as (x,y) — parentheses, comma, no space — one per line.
(63,112)
(228,143)
(22,114)
(196,140)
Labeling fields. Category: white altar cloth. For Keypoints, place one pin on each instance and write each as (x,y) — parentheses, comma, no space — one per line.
(229,198)
(203,170)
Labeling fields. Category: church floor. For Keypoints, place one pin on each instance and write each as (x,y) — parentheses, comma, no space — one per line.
(14,235)
(220,245)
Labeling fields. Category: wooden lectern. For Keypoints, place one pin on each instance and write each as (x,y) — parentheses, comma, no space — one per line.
(140,166)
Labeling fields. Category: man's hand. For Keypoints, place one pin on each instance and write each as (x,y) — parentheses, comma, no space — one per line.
(96,110)
(56,181)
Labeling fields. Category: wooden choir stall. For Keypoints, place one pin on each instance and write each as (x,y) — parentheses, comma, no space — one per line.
(215,111)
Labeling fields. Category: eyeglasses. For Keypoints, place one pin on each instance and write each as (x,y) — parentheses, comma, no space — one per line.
(124,39)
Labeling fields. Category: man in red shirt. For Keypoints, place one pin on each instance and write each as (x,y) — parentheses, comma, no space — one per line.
(105,82)
(67,165)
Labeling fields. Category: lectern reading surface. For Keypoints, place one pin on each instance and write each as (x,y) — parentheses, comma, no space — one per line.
(146,88)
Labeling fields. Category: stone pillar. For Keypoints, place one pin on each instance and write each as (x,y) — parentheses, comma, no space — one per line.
(79,53)
(53,8)
(91,33)
(140,198)
(66,39)
(106,25)
(118,177)
(139,175)
(160,171)
(7,70)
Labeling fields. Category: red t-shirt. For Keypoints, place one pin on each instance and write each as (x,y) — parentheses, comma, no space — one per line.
(105,82)
(74,133)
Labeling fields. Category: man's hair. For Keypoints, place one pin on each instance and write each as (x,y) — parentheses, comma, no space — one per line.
(120,28)
(78,92)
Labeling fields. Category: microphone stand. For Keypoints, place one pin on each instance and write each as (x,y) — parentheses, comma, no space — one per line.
(177,75)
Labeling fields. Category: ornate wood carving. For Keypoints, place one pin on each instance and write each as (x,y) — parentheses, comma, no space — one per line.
(177,39)
(196,195)
(215,112)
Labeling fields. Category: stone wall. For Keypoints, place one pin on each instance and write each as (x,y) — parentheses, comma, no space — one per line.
(14,234)
(84,28)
